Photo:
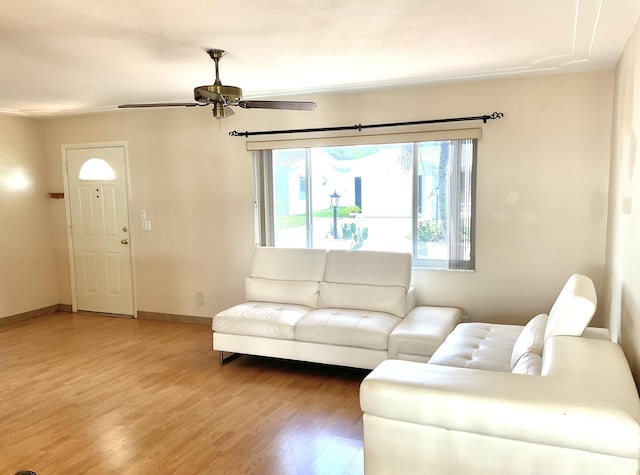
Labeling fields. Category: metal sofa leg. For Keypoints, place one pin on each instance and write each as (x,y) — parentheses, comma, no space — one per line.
(224,360)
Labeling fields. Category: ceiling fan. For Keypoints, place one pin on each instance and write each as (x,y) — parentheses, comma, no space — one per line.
(222,97)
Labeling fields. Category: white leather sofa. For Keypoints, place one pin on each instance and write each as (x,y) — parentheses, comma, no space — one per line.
(348,308)
(553,397)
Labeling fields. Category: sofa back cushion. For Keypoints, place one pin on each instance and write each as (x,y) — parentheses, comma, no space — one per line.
(294,292)
(529,363)
(374,298)
(573,309)
(369,268)
(367,280)
(279,263)
(288,276)
(531,339)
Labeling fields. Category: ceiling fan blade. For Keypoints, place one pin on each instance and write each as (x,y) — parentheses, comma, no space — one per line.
(288,105)
(162,104)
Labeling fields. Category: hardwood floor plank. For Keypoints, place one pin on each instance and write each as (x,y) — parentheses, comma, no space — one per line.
(93,394)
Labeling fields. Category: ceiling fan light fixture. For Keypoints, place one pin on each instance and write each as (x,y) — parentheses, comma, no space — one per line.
(222,97)
(220,110)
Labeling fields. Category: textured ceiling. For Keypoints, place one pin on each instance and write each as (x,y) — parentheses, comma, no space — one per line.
(68,56)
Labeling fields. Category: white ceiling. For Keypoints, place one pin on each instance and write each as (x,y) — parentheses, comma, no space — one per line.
(69,56)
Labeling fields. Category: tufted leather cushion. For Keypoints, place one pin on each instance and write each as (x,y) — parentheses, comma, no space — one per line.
(357,328)
(531,339)
(269,320)
(295,292)
(478,345)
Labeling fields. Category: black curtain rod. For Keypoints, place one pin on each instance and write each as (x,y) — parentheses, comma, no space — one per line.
(360,127)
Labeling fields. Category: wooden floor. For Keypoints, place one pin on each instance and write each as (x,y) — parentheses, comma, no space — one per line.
(100,395)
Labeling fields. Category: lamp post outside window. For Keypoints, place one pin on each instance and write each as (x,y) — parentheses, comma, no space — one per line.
(335,202)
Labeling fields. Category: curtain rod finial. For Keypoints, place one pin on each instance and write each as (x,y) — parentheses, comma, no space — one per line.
(235,133)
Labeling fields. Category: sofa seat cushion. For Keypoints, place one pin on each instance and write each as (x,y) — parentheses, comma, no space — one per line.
(344,327)
(264,319)
(478,345)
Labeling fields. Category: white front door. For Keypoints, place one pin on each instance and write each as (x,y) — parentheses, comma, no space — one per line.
(99,229)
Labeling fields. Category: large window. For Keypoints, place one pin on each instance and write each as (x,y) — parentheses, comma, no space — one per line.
(400,196)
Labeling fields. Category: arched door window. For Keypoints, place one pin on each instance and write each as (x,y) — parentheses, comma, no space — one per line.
(96,169)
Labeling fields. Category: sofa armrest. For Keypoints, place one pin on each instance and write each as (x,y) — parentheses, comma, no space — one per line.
(421,332)
(536,409)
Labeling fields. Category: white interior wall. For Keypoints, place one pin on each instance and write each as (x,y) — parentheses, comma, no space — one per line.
(28,279)
(541,203)
(622,294)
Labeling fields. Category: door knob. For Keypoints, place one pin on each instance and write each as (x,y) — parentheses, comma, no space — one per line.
(125,241)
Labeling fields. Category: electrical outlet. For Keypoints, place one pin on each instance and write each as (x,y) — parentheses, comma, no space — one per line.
(200,298)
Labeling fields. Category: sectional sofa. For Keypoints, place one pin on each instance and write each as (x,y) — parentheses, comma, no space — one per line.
(552,397)
(348,308)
